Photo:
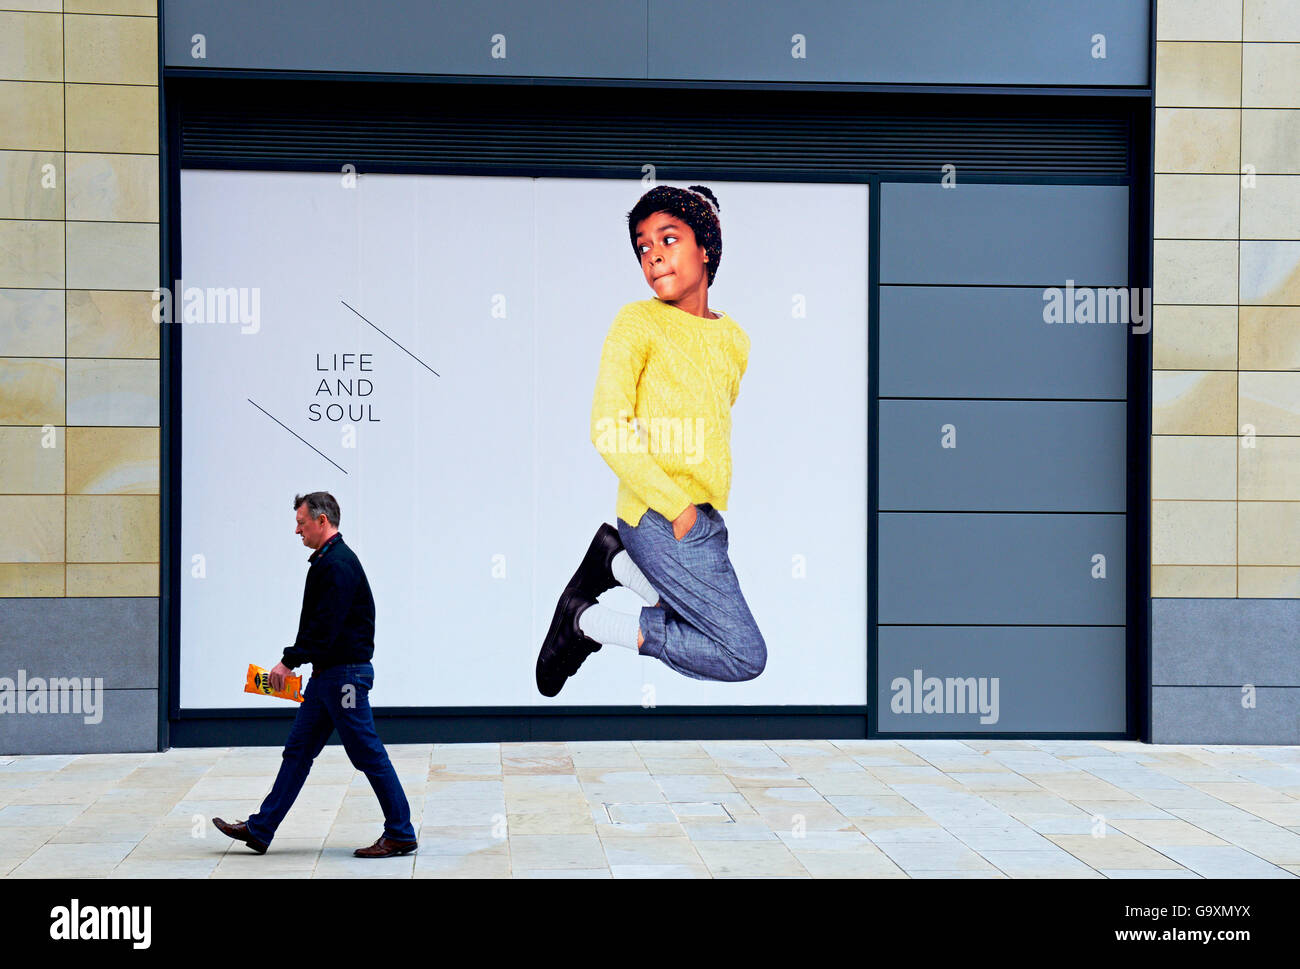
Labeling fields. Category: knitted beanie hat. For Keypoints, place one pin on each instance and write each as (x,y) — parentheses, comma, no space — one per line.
(696,206)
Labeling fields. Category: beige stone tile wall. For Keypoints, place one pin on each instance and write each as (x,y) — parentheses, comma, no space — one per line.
(79,255)
(1225,450)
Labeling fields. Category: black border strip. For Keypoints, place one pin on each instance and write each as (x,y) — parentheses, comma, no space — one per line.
(873,455)
(168,417)
(816,87)
(1141,379)
(402,725)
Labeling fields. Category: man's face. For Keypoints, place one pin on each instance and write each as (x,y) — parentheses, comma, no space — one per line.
(673,262)
(313,532)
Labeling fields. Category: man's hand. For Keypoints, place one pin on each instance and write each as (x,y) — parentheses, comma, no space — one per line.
(277,675)
(684,522)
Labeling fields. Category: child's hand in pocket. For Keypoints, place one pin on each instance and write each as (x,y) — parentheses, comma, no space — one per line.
(684,522)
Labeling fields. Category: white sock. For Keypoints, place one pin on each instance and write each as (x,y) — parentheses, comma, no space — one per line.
(629,575)
(608,627)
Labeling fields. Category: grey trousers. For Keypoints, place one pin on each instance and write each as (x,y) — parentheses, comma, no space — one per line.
(703,627)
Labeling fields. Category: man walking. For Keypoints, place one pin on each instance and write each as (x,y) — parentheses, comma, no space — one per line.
(336,635)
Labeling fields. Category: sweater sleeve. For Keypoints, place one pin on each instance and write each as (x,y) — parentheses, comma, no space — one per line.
(613,408)
(744,365)
(325,606)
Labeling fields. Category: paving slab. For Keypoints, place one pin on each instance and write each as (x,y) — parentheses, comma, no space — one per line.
(676,809)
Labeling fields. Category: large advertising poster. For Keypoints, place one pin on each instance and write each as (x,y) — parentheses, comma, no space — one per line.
(426,348)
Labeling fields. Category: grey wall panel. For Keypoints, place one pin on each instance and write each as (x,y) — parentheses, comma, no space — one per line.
(923,41)
(920,42)
(946,341)
(559,38)
(1043,678)
(1225,642)
(1001,569)
(1009,455)
(112,638)
(1004,235)
(128,722)
(1214,715)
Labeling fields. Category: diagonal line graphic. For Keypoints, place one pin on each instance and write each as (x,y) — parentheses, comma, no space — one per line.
(291,431)
(396,344)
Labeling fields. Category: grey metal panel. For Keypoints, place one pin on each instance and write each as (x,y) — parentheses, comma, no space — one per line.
(559,38)
(1004,235)
(919,42)
(1009,456)
(1000,569)
(1214,715)
(924,41)
(1225,642)
(112,638)
(967,341)
(129,723)
(1049,678)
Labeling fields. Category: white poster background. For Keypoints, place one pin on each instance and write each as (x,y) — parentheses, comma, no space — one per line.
(471,495)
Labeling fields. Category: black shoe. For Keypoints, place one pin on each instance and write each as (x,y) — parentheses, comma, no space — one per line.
(594,575)
(565,647)
(582,645)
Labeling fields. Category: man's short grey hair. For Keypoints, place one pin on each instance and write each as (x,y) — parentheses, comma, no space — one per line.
(319,503)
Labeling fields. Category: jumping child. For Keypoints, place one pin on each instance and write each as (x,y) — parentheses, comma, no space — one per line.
(670,372)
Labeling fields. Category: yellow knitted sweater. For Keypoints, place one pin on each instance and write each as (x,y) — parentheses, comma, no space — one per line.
(661,415)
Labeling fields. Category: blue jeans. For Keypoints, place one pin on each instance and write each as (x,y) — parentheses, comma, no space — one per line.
(335,697)
(702,627)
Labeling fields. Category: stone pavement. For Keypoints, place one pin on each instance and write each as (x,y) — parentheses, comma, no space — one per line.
(807,808)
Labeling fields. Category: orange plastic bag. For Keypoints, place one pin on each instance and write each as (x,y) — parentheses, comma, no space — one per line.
(259,681)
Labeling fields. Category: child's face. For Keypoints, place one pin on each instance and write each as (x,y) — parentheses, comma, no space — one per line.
(673,263)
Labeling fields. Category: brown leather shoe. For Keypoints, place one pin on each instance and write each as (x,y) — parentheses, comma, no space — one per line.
(386,847)
(239,831)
